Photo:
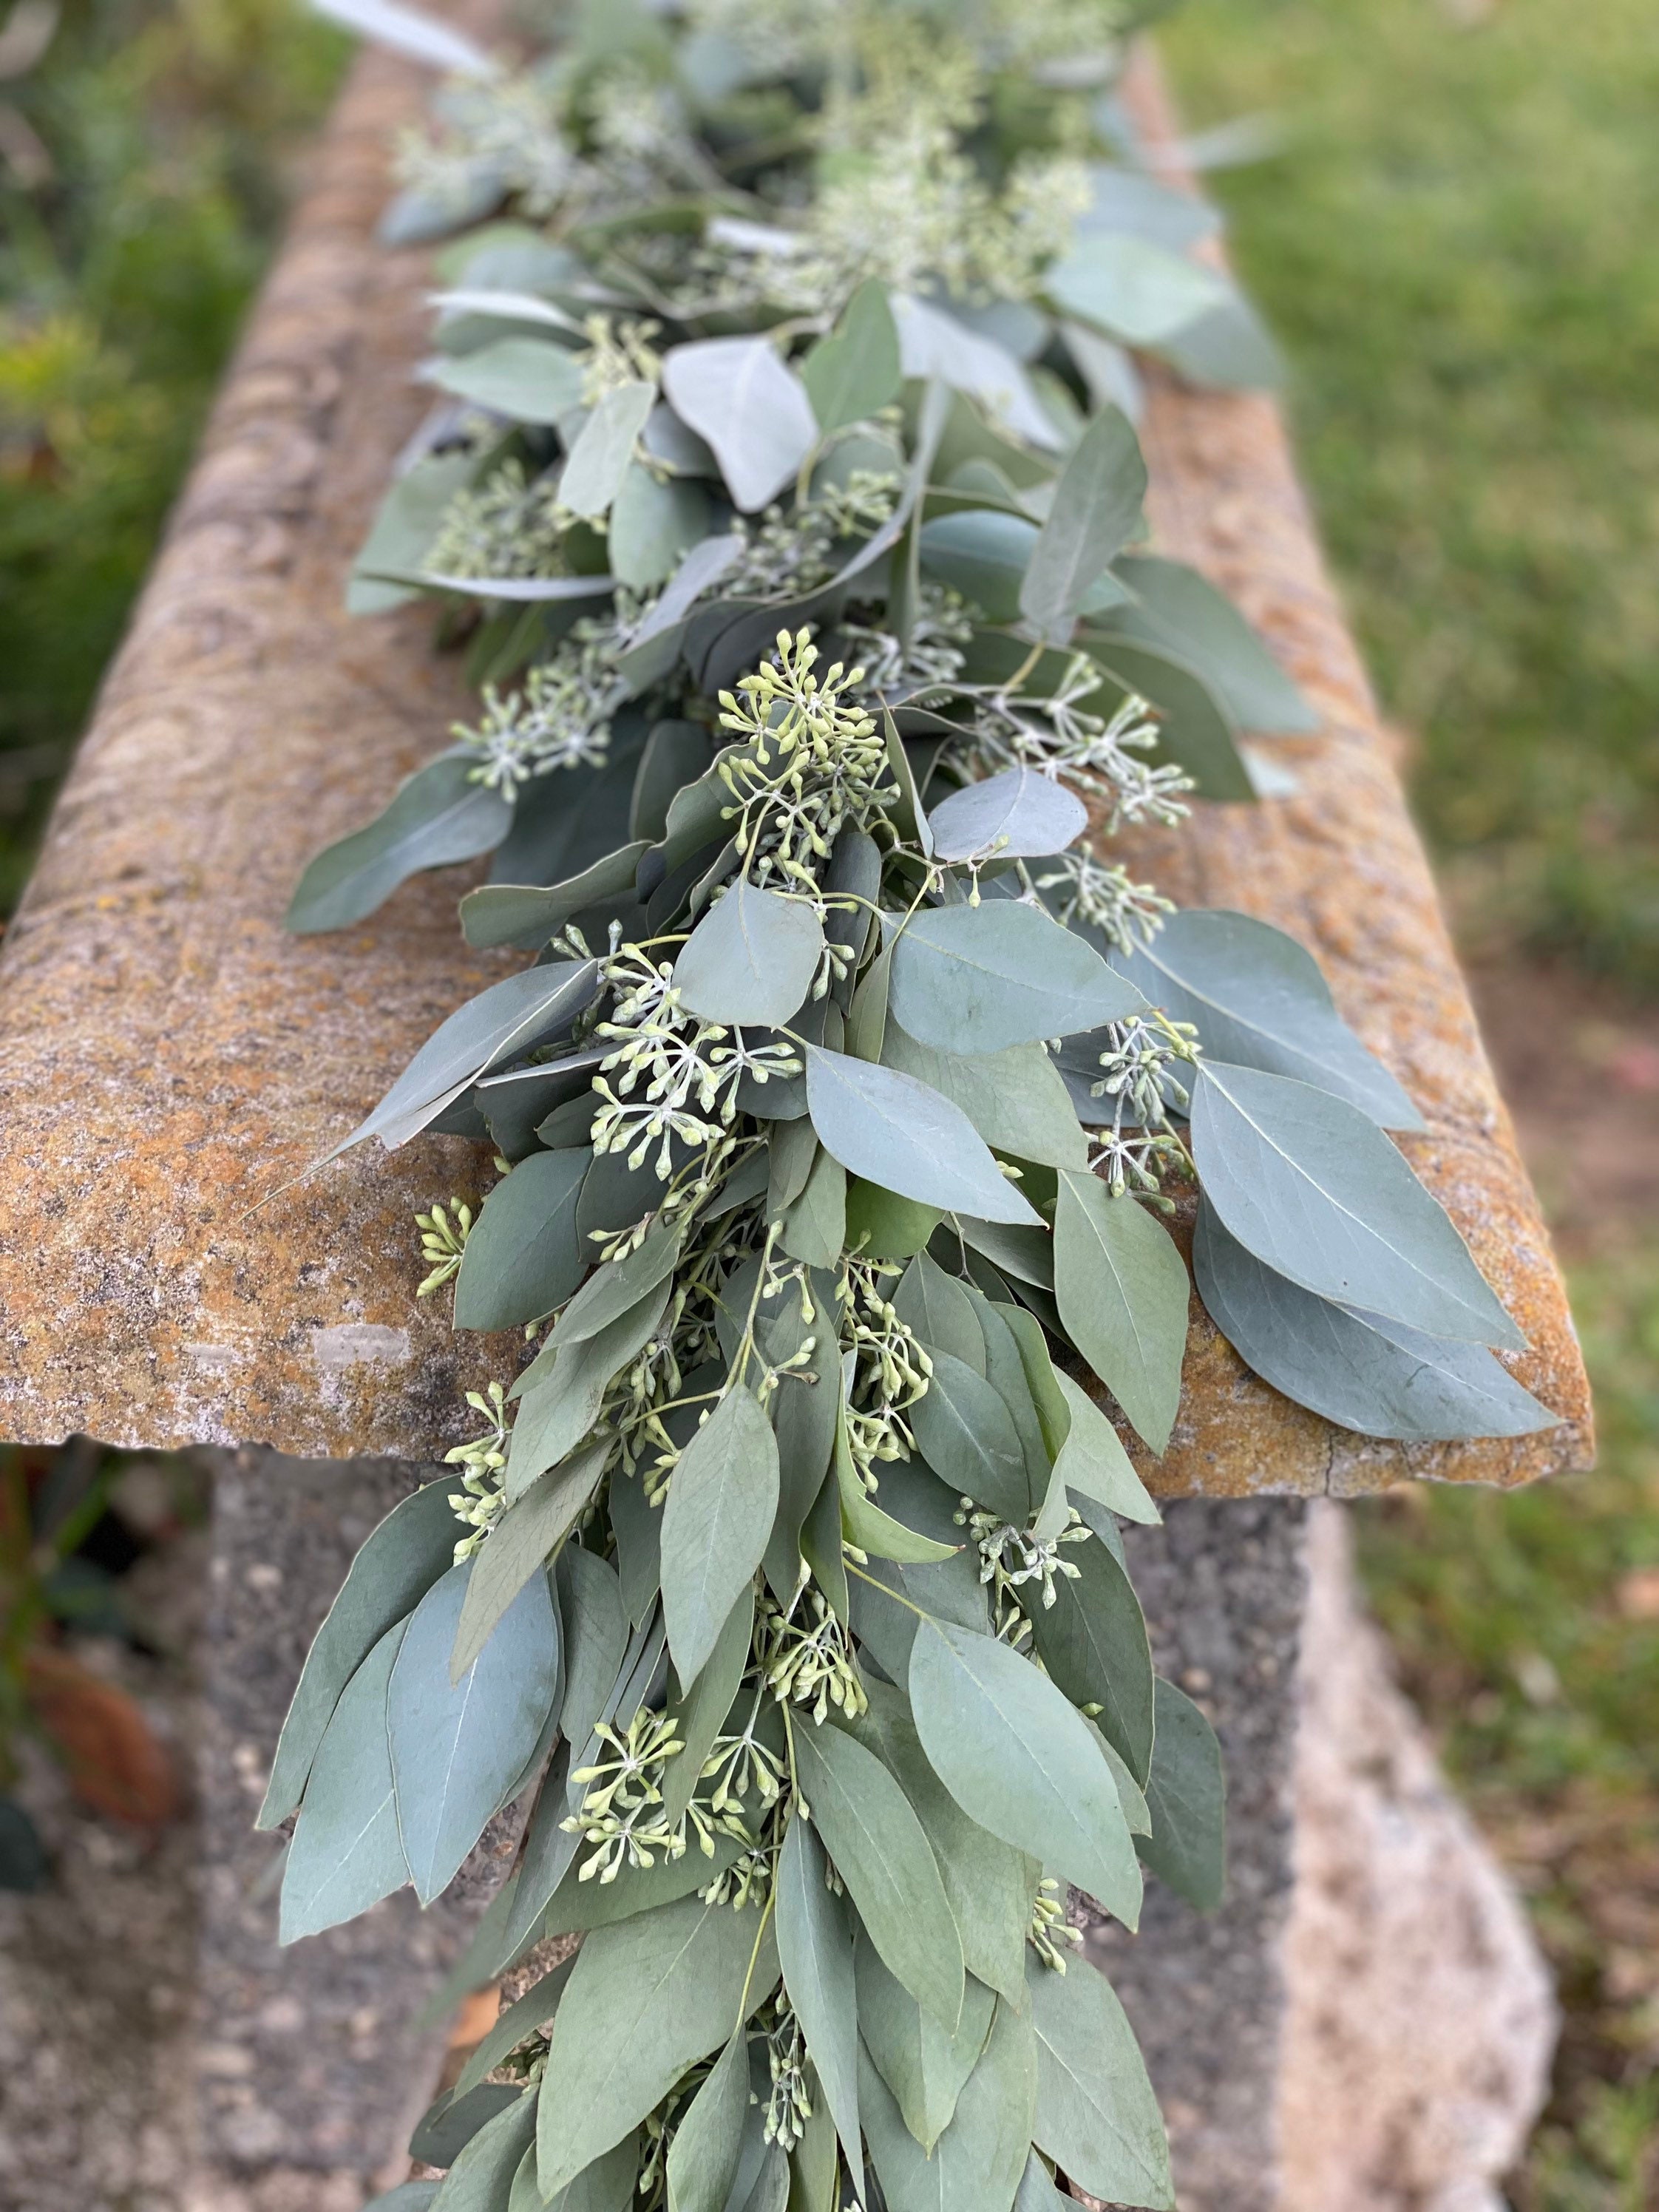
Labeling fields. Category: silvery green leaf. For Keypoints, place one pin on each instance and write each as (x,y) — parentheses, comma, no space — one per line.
(676,754)
(1129,199)
(1185,1799)
(990,1886)
(703,2157)
(649,1998)
(518,1544)
(450,2123)
(1093,1461)
(1231,347)
(894,1132)
(1017,815)
(814,1222)
(983,553)
(513,2026)
(577,1906)
(973,979)
(1052,1407)
(1095,512)
(1178,610)
(1018,1759)
(1095,2113)
(722,1498)
(934,345)
(752,959)
(791,1150)
(937,1308)
(976,2164)
(815,1946)
(881,1854)
(882,1227)
(925,2066)
(527,915)
(495,303)
(804,1412)
(967,1435)
(531,379)
(1196,730)
(439,816)
(667,440)
(456,1745)
(1258,999)
(821,1548)
(605,446)
(754,412)
(617,1286)
(408,519)
(606,2186)
(482,2176)
(1092,1639)
(1108,374)
(1122,1291)
(1378,1378)
(855,370)
(393,1571)
(1005,1371)
(1016,1100)
(815,2166)
(508,1017)
(562,1401)
(654,524)
(873,1530)
(522,1259)
(412,32)
(1136,291)
(1314,1189)
(704,1704)
(346,1854)
(407,2196)
(1037,2192)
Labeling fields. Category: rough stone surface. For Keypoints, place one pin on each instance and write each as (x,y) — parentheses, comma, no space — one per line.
(1422,2020)
(1224,1586)
(173,1059)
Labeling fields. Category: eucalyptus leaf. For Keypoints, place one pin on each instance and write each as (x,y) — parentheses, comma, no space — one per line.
(1177,608)
(881,1225)
(804,1412)
(855,371)
(524,916)
(815,1946)
(439,815)
(606,2186)
(814,1222)
(703,1706)
(1096,2112)
(925,2067)
(754,412)
(561,1404)
(482,2176)
(722,1498)
(939,1310)
(1123,1296)
(1017,1101)
(1186,1800)
(1092,1640)
(598,460)
(408,518)
(520,1542)
(1018,1759)
(346,1854)
(456,1746)
(702,2158)
(522,1259)
(449,2124)
(977,2163)
(1310,1186)
(967,1434)
(892,1130)
(531,379)
(521,2020)
(1017,814)
(752,959)
(976,980)
(1095,512)
(1140,292)
(1093,1460)
(933,344)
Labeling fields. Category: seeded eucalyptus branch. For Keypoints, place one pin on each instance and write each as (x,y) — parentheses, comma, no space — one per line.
(783,475)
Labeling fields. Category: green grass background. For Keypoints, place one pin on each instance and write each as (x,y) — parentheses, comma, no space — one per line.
(1459,245)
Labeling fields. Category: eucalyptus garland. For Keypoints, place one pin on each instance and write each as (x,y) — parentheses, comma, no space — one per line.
(783,484)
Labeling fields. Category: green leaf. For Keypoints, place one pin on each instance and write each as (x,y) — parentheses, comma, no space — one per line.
(482,2177)
(815,1223)
(408,518)
(1092,1639)
(1187,1802)
(1122,1292)
(1037,2191)
(526,916)
(1177,609)
(1378,1378)
(562,1403)
(393,1570)
(1095,512)
(925,2066)
(967,1435)
(531,379)
(617,1288)
(1010,1749)
(1052,1407)
(407,2196)
(346,1855)
(815,1946)
(1139,293)
(439,815)
(702,2158)
(722,1498)
(971,980)
(605,445)
(976,2164)
(821,1547)
(1016,1100)
(874,1531)
(1258,999)
(1196,730)
(990,1886)
(933,344)
(703,1704)
(649,1998)
(814,2166)
(522,1258)
(522,2018)
(937,1308)
(1310,1186)
(892,1130)
(803,1412)
(1231,347)
(982,553)
(1095,2113)
(882,1226)
(855,370)
(1093,1461)
(519,1543)
(654,524)
(754,412)
(1017,814)
(457,1746)
(881,1854)
(450,2123)
(607,2185)
(752,959)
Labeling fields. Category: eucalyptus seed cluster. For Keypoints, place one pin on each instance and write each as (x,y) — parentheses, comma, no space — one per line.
(793,550)
(1140,1059)
(509,525)
(481,1499)
(891,1368)
(1010,1557)
(1103,895)
(561,717)
(1055,731)
(443,1243)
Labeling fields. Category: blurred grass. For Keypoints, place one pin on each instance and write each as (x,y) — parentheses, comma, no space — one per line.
(1459,246)
(1459,249)
(132,230)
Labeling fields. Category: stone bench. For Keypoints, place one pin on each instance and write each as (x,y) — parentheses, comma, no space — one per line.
(172,1061)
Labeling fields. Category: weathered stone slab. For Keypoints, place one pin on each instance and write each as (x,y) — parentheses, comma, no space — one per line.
(172,1059)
